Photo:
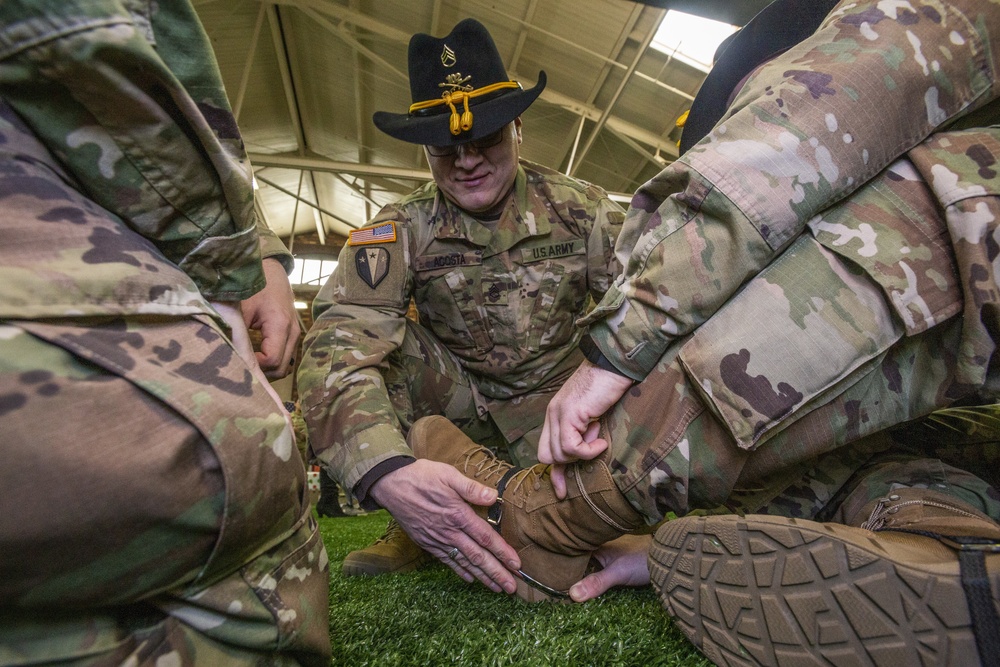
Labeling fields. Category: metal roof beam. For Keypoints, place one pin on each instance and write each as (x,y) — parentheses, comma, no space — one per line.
(303,200)
(352,42)
(593,113)
(377,27)
(360,122)
(334,167)
(291,98)
(350,16)
(522,36)
(621,88)
(286,75)
(251,51)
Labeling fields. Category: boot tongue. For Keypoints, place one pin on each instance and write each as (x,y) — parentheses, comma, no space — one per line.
(502,484)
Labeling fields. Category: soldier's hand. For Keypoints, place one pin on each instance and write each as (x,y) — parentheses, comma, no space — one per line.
(431,501)
(271,312)
(624,562)
(570,429)
(230,312)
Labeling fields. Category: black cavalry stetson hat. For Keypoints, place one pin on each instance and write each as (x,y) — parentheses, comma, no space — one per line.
(776,28)
(460,89)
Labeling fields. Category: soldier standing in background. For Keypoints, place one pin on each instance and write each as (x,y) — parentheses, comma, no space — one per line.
(130,268)
(500,257)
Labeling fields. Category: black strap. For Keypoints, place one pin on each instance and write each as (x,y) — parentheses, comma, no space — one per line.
(976,586)
(495,512)
(979,597)
(595,356)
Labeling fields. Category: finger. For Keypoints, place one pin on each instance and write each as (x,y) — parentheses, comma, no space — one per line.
(581,444)
(544,444)
(291,342)
(458,569)
(488,554)
(491,553)
(586,450)
(274,354)
(561,448)
(463,568)
(558,476)
(592,586)
(482,565)
(485,538)
(472,491)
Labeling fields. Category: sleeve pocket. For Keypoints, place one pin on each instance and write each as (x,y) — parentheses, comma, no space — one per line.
(798,333)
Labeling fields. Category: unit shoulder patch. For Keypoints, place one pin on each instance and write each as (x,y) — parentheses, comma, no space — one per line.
(384,232)
(372,265)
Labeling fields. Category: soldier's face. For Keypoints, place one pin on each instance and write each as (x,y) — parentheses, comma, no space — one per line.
(479,179)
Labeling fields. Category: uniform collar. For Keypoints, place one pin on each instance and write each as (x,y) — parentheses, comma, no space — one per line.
(516,223)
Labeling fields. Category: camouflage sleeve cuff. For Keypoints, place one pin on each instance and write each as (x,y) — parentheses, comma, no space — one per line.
(595,356)
(622,337)
(368,480)
(271,247)
(226,268)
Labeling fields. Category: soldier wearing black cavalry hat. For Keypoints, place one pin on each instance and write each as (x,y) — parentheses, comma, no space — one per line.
(500,257)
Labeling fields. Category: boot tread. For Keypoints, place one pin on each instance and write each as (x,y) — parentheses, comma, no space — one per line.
(781,591)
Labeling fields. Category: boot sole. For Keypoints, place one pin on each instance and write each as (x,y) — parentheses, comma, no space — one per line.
(772,591)
(529,594)
(357,568)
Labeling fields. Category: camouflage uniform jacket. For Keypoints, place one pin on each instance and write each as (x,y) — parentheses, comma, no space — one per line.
(877,82)
(163,155)
(504,300)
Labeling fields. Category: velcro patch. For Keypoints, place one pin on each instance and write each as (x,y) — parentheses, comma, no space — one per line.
(372,265)
(448,260)
(384,232)
(495,294)
(552,251)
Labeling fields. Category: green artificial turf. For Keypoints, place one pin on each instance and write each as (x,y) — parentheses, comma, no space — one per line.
(431,617)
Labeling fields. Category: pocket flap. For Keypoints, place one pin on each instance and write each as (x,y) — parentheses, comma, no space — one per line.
(808,324)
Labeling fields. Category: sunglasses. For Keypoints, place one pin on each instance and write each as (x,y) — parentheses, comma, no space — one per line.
(488,141)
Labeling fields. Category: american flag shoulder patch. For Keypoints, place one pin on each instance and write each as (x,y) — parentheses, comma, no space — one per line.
(384,232)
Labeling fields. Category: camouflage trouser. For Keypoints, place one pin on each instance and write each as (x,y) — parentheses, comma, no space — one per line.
(155,509)
(889,471)
(673,452)
(425,378)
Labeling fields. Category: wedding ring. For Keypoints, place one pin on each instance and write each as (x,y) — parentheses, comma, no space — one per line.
(453,553)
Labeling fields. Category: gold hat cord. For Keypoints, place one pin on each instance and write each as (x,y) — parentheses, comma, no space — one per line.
(458,124)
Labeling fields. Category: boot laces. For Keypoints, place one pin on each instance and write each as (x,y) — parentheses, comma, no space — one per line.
(536,473)
(488,466)
(392,531)
(880,516)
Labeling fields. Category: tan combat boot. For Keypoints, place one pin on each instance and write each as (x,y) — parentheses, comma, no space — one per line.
(553,538)
(393,553)
(894,588)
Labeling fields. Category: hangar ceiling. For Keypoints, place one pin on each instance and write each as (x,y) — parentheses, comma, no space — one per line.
(305,76)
